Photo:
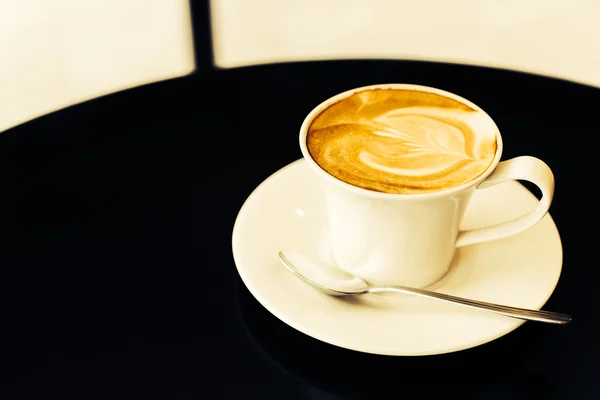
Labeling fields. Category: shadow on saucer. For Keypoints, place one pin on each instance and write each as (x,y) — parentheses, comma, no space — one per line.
(502,367)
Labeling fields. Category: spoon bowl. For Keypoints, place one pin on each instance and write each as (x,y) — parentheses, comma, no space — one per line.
(330,280)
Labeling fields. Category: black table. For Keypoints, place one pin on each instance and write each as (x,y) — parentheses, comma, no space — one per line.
(116,271)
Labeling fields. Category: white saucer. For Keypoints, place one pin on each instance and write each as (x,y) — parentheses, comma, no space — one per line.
(286,212)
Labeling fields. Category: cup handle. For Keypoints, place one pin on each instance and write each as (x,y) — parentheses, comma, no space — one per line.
(525,168)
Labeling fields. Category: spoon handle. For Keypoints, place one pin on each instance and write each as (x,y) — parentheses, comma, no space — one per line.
(515,312)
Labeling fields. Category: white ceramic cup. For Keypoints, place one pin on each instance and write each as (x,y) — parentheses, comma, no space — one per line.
(410,239)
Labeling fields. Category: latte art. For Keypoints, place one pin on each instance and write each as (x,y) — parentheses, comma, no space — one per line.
(402,141)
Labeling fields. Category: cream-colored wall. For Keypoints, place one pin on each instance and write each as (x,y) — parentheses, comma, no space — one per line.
(61,52)
(559,38)
(54,53)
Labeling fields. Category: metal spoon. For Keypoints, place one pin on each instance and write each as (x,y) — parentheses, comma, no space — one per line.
(336,282)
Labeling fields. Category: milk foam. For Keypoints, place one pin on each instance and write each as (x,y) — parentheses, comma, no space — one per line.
(402,141)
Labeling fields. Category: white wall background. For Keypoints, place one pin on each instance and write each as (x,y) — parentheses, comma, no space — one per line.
(54,53)
(559,38)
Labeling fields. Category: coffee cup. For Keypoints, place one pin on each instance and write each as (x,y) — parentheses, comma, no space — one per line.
(398,165)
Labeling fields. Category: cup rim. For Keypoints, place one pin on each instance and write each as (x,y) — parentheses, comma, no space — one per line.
(395,196)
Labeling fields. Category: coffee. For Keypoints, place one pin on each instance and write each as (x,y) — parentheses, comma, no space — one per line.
(402,141)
